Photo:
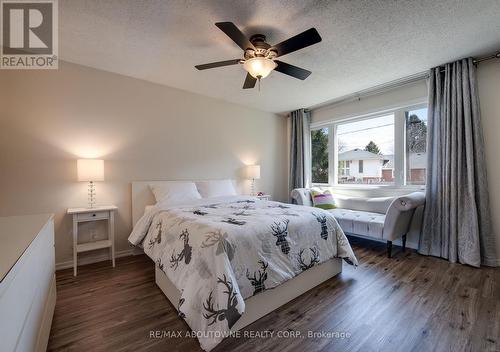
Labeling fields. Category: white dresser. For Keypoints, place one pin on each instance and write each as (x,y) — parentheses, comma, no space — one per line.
(27,282)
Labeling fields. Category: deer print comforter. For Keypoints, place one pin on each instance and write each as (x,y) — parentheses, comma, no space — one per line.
(219,251)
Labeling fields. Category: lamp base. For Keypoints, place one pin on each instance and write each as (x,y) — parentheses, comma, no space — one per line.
(91,194)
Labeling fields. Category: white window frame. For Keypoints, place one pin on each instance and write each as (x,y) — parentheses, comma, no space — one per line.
(399,147)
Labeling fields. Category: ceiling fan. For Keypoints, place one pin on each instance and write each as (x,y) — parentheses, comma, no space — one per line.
(259,58)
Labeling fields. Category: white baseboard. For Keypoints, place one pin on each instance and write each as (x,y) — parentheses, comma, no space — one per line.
(89,259)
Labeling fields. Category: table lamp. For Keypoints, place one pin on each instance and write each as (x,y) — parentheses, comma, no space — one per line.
(90,170)
(253,173)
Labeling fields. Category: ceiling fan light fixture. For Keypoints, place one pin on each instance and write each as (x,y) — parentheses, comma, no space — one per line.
(259,56)
(259,67)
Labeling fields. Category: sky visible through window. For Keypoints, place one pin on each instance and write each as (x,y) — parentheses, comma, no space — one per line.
(358,134)
(421,113)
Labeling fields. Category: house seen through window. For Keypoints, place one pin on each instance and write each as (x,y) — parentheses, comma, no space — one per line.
(368,146)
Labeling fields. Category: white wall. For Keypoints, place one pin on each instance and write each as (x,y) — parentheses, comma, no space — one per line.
(143,131)
(488,77)
(406,95)
(371,168)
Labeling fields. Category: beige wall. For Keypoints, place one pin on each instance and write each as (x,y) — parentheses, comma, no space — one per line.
(143,131)
(489,95)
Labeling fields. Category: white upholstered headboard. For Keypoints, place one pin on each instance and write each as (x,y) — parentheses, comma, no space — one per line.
(142,196)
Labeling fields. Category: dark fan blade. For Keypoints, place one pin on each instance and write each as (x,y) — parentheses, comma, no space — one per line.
(291,70)
(235,34)
(218,64)
(249,81)
(302,40)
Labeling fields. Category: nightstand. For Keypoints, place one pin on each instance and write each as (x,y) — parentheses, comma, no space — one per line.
(264,197)
(100,213)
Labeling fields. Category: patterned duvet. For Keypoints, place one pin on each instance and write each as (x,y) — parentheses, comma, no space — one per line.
(219,251)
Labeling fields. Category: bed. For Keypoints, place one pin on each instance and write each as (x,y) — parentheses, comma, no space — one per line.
(236,287)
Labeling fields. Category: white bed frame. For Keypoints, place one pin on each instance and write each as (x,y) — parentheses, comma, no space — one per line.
(256,306)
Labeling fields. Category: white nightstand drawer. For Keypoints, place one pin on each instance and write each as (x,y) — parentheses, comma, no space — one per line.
(98,215)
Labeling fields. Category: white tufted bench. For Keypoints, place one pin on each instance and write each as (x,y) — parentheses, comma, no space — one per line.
(386,218)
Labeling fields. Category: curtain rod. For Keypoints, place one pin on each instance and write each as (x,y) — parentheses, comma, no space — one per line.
(388,86)
(381,88)
(486,58)
(482,59)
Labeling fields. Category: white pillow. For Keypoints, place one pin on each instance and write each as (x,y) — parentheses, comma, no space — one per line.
(216,188)
(176,192)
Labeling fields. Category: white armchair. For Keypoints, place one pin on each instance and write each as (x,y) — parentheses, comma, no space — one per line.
(386,218)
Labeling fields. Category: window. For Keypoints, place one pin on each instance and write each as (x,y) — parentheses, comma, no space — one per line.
(365,144)
(416,146)
(344,167)
(319,157)
(380,149)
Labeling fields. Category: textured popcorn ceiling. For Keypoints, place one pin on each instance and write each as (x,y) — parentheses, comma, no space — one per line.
(365,43)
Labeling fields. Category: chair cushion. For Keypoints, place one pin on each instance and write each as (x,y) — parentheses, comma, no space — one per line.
(360,222)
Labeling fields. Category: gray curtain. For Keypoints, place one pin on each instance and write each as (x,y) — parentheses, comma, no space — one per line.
(299,149)
(457,223)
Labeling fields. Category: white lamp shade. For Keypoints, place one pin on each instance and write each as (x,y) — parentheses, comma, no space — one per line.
(253,171)
(90,170)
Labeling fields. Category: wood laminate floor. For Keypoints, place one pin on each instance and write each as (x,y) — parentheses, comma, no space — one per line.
(407,303)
